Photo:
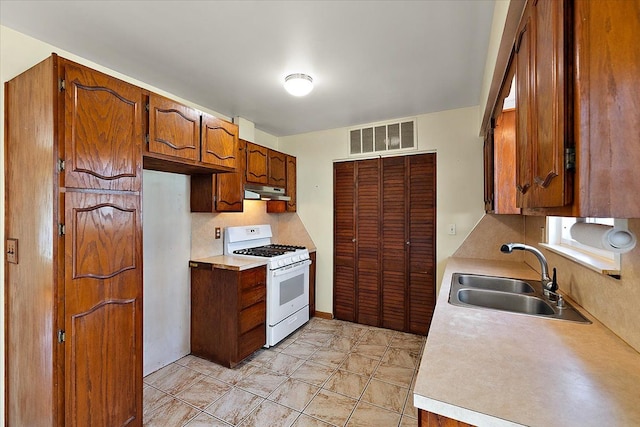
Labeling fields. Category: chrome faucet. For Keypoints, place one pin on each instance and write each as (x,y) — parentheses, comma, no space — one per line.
(547,284)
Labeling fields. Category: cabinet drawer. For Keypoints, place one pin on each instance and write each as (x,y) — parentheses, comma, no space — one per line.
(252,295)
(252,316)
(253,277)
(252,341)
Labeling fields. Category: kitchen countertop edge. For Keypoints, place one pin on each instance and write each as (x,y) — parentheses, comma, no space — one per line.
(226,262)
(467,368)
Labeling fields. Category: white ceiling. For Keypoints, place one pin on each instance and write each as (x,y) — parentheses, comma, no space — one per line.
(371,60)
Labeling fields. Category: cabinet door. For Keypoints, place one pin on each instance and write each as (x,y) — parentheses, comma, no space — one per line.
(394,241)
(504,155)
(542,106)
(219,142)
(174,129)
(367,220)
(277,169)
(230,186)
(102,131)
(421,233)
(344,286)
(524,128)
(103,309)
(292,179)
(257,161)
(550,105)
(606,109)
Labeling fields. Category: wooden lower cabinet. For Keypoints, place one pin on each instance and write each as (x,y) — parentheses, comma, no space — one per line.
(228,313)
(312,284)
(430,419)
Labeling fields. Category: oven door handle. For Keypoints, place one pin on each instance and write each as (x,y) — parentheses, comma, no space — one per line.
(287,269)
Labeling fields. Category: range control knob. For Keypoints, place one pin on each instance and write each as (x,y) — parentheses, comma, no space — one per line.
(296,258)
(281,263)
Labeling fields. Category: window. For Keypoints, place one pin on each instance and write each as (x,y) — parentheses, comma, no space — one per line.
(559,240)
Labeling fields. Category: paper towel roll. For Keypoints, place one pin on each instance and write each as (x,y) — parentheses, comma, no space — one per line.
(603,237)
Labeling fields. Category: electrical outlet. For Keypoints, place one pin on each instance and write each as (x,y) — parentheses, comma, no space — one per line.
(452,229)
(217,231)
(12,251)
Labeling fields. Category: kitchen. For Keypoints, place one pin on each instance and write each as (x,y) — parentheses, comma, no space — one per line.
(459,202)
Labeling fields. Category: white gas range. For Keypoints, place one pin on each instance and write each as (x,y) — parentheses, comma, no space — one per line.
(287,277)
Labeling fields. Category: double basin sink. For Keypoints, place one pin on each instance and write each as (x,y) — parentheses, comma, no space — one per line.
(512,295)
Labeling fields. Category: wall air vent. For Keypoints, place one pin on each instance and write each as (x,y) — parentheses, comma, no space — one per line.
(380,138)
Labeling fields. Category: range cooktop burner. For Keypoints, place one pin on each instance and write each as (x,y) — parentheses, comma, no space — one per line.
(268,251)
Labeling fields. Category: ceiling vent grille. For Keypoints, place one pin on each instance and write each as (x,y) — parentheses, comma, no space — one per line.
(380,138)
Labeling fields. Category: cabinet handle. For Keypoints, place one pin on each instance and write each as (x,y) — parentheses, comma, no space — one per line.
(544,183)
(523,189)
(353,240)
(408,242)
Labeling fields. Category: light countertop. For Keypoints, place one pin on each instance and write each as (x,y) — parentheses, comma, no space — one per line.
(493,368)
(226,262)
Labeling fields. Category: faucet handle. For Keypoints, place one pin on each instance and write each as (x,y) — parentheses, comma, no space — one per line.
(554,281)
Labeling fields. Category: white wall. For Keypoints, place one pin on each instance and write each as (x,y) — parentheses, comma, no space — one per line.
(166,253)
(500,10)
(451,134)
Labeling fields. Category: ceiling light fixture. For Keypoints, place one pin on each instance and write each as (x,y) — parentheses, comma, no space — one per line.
(298,84)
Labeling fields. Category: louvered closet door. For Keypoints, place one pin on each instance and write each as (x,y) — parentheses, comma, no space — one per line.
(367,241)
(344,291)
(421,199)
(394,243)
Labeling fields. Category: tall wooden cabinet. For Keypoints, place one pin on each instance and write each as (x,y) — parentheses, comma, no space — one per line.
(384,242)
(74,298)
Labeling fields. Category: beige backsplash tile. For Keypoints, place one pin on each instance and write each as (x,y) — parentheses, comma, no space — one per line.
(492,231)
(614,302)
(286,228)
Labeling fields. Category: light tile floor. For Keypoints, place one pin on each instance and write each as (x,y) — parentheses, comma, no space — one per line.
(328,373)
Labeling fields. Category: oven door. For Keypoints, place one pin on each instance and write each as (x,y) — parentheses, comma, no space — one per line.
(287,291)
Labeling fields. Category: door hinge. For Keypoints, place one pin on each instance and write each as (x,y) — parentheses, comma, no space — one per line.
(62,85)
(146,138)
(60,165)
(570,158)
(61,230)
(146,106)
(61,336)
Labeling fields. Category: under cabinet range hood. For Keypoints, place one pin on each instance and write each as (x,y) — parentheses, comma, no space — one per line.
(263,192)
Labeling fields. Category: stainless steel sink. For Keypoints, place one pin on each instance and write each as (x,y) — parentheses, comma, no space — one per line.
(506,301)
(495,283)
(508,294)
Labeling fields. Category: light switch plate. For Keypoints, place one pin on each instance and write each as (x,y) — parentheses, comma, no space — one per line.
(12,251)
(452,229)
(217,231)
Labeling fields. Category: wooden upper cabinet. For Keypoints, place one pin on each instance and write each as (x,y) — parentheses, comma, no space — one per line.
(542,60)
(219,142)
(606,115)
(174,129)
(102,130)
(230,186)
(257,164)
(292,179)
(277,168)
